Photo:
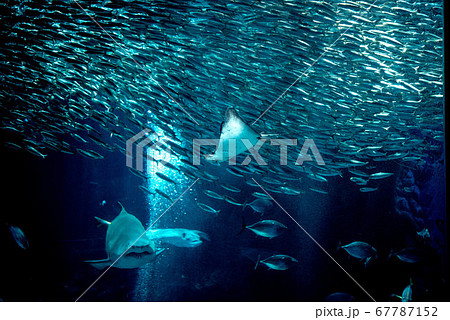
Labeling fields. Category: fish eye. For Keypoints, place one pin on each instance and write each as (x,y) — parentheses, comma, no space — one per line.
(184,235)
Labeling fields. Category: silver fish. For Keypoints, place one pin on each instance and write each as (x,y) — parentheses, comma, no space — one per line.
(408,255)
(360,250)
(380,175)
(213,194)
(278,262)
(265,228)
(207,208)
(19,237)
(260,205)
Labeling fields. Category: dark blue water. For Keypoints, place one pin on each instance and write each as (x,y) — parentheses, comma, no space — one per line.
(54,202)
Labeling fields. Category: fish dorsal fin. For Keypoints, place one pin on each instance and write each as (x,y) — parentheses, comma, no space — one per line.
(122,211)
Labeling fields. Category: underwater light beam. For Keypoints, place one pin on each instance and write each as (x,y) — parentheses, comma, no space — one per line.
(307,69)
(315,241)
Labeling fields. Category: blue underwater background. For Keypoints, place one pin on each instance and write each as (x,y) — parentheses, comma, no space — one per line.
(54,199)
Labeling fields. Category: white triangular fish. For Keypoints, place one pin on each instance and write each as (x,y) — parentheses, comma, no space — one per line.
(233,128)
(127,245)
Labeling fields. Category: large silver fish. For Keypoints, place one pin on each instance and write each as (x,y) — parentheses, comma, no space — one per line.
(126,244)
(178,237)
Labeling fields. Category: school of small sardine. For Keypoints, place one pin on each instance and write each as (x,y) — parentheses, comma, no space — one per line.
(363,80)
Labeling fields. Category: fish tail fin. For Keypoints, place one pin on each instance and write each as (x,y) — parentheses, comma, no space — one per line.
(395,296)
(257,262)
(420,90)
(370,260)
(243,226)
(101,222)
(391,253)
